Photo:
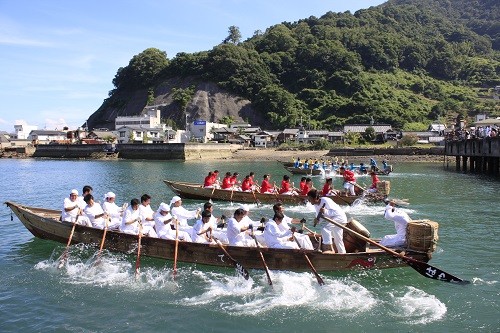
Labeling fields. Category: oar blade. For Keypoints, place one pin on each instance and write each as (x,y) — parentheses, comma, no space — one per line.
(435,273)
(241,270)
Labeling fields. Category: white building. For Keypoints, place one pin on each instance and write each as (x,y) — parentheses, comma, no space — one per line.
(46,137)
(143,134)
(23,130)
(203,131)
(150,119)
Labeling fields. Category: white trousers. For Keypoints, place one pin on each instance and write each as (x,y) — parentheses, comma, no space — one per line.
(330,230)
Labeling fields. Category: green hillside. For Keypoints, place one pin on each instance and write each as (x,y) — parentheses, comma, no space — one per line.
(406,63)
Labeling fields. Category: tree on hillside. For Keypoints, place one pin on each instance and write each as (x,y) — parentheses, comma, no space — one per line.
(183,97)
(234,36)
(142,69)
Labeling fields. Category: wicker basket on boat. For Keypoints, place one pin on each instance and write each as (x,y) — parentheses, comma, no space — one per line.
(384,187)
(352,242)
(422,235)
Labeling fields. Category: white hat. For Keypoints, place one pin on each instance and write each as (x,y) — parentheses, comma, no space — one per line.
(109,195)
(164,207)
(74,192)
(175,199)
(246,208)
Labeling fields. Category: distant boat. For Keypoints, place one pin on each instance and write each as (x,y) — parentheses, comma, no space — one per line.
(302,171)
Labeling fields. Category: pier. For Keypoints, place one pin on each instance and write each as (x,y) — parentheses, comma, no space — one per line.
(480,155)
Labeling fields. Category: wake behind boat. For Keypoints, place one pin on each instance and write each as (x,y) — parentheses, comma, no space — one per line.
(44,223)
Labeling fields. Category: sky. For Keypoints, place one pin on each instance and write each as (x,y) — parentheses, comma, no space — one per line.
(58,58)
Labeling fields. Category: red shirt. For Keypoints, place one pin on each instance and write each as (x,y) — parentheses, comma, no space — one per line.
(375,180)
(301,185)
(246,185)
(209,181)
(234,180)
(305,189)
(349,176)
(285,187)
(266,186)
(226,183)
(326,189)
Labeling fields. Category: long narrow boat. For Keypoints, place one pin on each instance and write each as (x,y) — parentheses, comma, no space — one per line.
(45,224)
(197,191)
(302,171)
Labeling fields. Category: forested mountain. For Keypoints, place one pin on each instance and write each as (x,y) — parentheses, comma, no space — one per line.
(406,63)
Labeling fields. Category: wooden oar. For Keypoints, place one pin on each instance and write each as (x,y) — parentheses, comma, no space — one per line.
(421,267)
(176,249)
(315,272)
(98,258)
(239,268)
(64,256)
(138,259)
(255,198)
(211,194)
(263,260)
(231,198)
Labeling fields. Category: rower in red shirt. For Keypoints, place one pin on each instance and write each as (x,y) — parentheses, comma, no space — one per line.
(302,183)
(266,186)
(209,180)
(246,185)
(307,186)
(375,180)
(226,182)
(349,180)
(328,188)
(286,187)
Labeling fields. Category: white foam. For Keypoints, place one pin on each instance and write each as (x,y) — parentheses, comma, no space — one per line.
(418,307)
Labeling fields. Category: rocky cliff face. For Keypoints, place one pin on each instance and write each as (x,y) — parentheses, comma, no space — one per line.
(209,103)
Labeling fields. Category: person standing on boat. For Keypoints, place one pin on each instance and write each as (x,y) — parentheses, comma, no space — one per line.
(146,214)
(375,181)
(237,232)
(165,224)
(94,212)
(349,180)
(330,209)
(276,237)
(71,210)
(373,164)
(182,214)
(400,219)
(303,240)
(114,212)
(266,186)
(202,229)
(131,218)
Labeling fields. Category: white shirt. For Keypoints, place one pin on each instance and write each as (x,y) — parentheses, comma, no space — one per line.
(146,212)
(112,209)
(164,230)
(198,227)
(399,218)
(274,236)
(71,215)
(92,211)
(234,234)
(182,215)
(332,210)
(129,215)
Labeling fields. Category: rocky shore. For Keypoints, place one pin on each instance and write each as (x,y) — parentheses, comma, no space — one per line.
(270,154)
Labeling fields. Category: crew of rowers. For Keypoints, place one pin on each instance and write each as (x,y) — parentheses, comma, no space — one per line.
(230,182)
(170,221)
(336,164)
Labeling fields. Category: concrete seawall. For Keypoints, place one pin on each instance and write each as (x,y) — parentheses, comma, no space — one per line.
(172,151)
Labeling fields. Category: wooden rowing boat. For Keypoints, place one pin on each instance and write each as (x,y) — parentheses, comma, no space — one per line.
(45,224)
(197,191)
